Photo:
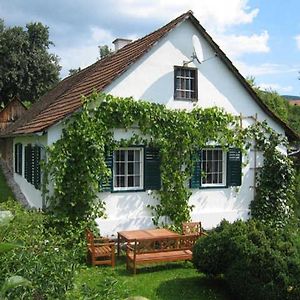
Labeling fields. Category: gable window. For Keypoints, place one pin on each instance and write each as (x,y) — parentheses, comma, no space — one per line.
(18,158)
(185,83)
(213,165)
(128,166)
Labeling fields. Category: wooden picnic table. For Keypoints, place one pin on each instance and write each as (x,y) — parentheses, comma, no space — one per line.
(144,234)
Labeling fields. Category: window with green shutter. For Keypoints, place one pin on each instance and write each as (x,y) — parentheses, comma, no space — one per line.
(18,158)
(133,169)
(213,167)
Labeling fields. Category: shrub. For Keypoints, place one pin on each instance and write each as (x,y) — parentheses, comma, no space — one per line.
(48,257)
(257,261)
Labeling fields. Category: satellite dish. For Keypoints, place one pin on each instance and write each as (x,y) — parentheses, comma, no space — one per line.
(198,52)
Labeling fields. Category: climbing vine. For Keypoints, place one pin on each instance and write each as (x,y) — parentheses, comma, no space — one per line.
(76,163)
(275,192)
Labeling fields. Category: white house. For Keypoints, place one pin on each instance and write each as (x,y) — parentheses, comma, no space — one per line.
(160,67)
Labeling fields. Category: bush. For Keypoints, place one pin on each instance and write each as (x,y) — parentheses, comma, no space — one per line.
(48,257)
(257,261)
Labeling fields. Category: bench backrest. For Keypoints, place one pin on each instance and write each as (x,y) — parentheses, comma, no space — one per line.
(192,228)
(183,242)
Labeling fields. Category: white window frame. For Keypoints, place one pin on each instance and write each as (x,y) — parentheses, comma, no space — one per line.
(224,169)
(142,161)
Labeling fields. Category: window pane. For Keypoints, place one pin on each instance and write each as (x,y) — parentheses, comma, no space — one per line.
(130,168)
(130,181)
(130,155)
(137,180)
(209,155)
(137,168)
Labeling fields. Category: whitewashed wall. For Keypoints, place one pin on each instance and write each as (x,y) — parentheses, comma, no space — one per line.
(152,78)
(33,196)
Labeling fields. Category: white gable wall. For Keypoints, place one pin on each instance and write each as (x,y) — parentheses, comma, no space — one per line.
(152,79)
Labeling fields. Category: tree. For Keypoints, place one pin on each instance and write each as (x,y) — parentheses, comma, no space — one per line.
(272,99)
(104,51)
(74,71)
(27,69)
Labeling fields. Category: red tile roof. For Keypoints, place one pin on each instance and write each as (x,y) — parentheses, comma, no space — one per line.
(65,98)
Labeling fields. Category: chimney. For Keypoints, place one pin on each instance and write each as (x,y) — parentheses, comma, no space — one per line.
(120,43)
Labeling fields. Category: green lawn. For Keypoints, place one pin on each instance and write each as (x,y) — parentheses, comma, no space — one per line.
(160,282)
(5,191)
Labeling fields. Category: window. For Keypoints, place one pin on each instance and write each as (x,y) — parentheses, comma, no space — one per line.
(128,167)
(213,166)
(185,83)
(134,168)
(18,158)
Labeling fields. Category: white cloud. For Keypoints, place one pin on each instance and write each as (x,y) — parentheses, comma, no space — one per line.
(297,38)
(237,45)
(275,87)
(263,69)
(85,54)
(214,14)
(101,35)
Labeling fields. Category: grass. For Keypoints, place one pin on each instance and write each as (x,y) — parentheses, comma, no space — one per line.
(5,191)
(157,282)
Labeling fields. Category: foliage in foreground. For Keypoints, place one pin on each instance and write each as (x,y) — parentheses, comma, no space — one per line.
(5,191)
(258,262)
(275,199)
(48,256)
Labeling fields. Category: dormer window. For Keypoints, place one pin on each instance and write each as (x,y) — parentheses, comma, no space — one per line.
(185,83)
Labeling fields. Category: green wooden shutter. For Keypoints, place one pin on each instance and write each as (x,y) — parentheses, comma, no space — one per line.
(195,181)
(107,186)
(28,163)
(234,167)
(36,166)
(152,179)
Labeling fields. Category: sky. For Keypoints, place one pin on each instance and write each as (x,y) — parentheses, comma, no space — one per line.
(260,37)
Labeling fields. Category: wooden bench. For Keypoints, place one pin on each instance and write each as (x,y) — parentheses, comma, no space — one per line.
(154,250)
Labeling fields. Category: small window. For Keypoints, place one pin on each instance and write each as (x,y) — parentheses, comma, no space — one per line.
(213,167)
(185,80)
(128,169)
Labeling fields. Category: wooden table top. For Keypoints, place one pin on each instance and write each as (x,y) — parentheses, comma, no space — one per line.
(131,235)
